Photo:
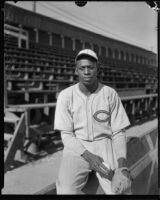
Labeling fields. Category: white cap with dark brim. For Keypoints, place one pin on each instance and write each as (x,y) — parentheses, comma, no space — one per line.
(87,52)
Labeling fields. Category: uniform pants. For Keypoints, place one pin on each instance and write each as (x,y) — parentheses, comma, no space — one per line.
(74,169)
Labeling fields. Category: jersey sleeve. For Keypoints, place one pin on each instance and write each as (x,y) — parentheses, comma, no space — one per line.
(119,142)
(119,118)
(63,119)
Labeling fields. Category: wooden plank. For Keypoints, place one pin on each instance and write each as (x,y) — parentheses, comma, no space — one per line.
(138,97)
(14,145)
(31,106)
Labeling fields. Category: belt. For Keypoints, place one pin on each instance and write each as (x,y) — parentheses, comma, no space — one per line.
(107,136)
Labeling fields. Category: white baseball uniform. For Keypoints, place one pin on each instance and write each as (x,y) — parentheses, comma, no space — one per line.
(89,122)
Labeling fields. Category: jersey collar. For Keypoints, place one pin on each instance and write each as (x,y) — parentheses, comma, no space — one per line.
(82,95)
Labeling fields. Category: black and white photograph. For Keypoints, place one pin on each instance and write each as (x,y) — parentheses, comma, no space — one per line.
(80,97)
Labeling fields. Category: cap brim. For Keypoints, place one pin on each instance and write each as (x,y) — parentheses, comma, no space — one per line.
(85,55)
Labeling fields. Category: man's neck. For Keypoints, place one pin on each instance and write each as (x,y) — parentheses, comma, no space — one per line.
(87,90)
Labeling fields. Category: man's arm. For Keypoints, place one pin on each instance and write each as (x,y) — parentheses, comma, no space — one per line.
(119,121)
(122,180)
(119,143)
(120,146)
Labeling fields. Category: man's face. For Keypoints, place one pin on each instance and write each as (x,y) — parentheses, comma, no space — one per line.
(86,70)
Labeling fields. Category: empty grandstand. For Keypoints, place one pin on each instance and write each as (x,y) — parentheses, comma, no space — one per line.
(39,55)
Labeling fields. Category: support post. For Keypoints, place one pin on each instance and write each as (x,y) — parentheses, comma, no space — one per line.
(91,45)
(50,38)
(46,109)
(99,52)
(133,111)
(19,37)
(27,122)
(37,35)
(73,44)
(62,38)
(83,44)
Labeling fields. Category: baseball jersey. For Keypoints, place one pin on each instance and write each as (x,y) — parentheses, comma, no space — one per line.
(90,118)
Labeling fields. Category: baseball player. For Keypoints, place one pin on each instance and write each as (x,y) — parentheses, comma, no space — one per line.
(92,120)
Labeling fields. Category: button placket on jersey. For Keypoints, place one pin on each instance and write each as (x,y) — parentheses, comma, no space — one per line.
(89,118)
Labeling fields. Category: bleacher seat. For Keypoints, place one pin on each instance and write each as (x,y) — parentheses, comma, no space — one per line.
(52,65)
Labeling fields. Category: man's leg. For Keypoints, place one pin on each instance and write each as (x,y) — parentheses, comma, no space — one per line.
(104,149)
(73,173)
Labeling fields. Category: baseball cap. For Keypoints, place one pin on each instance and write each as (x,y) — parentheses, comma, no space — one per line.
(87,52)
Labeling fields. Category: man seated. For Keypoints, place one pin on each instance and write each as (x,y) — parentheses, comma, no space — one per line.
(91,119)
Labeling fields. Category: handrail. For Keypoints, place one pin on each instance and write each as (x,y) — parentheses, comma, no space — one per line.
(139,97)
(23,107)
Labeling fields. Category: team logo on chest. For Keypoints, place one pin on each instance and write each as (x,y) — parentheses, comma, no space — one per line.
(101,116)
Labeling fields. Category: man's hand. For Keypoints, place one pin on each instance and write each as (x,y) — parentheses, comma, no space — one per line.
(121,181)
(96,163)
